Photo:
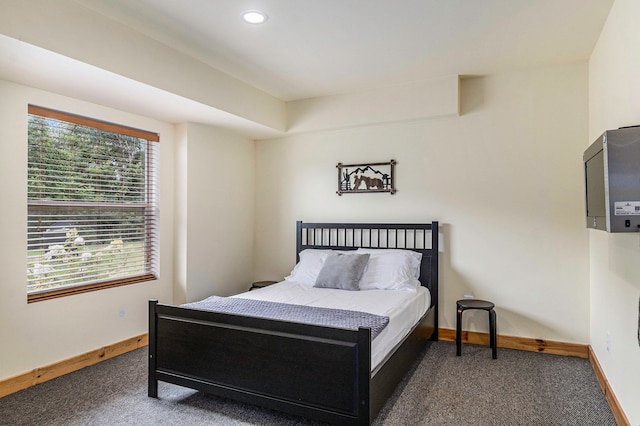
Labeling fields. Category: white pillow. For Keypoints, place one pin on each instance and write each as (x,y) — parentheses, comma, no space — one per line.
(311,261)
(391,269)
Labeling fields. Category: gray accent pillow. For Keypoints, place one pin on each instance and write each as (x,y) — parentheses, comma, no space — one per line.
(342,271)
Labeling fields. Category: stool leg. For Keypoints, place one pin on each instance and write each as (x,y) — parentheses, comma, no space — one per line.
(459,332)
(492,331)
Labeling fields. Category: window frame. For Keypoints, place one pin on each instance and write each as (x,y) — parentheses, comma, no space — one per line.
(151,244)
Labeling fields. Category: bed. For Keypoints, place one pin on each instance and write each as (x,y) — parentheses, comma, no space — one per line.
(319,372)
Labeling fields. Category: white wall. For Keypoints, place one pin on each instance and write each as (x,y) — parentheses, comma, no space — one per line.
(504,179)
(214,211)
(614,85)
(37,334)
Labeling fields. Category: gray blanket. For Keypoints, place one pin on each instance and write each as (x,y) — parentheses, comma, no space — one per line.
(340,318)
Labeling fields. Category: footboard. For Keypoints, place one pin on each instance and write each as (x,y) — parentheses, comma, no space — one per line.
(306,370)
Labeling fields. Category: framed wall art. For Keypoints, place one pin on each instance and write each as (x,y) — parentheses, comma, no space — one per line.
(368,177)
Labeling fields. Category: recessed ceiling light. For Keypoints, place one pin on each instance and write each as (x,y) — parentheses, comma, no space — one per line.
(254,17)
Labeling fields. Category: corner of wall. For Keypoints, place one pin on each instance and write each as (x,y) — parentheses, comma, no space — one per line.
(180,222)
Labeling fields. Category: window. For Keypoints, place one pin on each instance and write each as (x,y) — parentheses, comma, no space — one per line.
(92,205)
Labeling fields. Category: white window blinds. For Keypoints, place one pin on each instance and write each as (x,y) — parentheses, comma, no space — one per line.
(92,204)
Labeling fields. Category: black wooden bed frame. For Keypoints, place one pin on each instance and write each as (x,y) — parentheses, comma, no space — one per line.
(311,371)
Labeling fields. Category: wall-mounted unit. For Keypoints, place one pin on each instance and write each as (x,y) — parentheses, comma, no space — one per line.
(612,176)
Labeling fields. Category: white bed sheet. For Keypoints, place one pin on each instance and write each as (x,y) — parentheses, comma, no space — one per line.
(404,308)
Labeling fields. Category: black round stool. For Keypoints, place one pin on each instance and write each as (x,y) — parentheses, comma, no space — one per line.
(465,304)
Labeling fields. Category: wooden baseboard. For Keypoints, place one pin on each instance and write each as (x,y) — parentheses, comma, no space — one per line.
(616,408)
(520,343)
(57,369)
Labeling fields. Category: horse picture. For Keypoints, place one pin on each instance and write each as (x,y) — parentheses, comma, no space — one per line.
(369,182)
(371,177)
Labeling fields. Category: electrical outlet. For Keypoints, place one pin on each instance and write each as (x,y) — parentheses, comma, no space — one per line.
(608,341)
(122,313)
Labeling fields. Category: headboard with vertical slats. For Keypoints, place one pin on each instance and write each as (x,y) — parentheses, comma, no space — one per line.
(422,237)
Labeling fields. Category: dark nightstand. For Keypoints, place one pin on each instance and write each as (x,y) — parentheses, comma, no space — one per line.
(260,284)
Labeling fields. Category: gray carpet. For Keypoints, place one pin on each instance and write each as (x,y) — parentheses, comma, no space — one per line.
(519,388)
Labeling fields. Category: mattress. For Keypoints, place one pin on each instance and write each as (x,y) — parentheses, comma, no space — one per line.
(404,308)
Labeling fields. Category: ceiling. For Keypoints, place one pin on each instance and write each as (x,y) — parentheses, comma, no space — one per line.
(312,48)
